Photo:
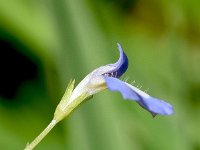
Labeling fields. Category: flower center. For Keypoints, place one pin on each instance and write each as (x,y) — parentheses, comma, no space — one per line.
(111,74)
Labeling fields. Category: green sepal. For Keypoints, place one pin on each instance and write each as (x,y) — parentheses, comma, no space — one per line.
(64,108)
(67,94)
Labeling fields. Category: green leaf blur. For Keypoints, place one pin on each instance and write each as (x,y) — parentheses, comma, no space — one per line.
(67,39)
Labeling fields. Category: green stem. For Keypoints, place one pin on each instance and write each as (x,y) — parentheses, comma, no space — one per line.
(63,109)
(41,135)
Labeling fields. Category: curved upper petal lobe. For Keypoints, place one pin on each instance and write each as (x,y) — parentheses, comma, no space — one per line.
(120,66)
(153,105)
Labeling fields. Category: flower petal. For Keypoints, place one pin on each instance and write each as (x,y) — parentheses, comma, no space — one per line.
(95,82)
(120,66)
(151,104)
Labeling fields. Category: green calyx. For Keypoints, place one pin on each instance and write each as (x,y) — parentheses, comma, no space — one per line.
(64,108)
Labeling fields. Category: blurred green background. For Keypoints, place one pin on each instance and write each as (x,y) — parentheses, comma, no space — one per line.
(45,43)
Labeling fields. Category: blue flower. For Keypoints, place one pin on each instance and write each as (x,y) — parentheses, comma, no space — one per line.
(107,77)
(98,80)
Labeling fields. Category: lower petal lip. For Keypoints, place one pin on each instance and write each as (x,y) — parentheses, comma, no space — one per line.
(151,104)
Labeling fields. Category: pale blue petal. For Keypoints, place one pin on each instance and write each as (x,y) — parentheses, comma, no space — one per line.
(153,105)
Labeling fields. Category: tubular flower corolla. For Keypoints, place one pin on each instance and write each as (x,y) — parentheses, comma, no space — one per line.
(107,77)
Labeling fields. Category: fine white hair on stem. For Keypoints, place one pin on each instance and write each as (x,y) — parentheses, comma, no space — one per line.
(133,82)
(147,90)
(126,79)
(138,85)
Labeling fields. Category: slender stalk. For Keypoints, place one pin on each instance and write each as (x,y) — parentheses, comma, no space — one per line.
(41,135)
(63,109)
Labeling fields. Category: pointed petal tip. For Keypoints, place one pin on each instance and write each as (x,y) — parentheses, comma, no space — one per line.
(120,48)
(170,110)
(160,107)
(167,110)
(118,44)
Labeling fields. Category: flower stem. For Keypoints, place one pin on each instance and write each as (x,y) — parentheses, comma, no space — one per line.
(41,135)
